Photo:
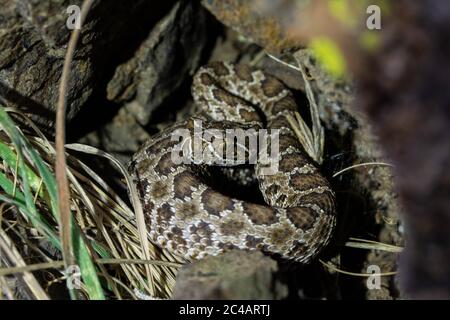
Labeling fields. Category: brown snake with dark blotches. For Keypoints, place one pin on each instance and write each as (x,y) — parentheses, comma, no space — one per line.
(188,217)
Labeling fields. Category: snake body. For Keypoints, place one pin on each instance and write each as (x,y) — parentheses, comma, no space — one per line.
(190,218)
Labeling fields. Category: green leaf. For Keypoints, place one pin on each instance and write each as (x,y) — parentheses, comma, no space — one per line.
(10,157)
(87,267)
(370,40)
(329,55)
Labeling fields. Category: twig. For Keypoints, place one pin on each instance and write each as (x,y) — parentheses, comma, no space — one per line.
(59,264)
(362,165)
(134,199)
(334,268)
(10,251)
(60,165)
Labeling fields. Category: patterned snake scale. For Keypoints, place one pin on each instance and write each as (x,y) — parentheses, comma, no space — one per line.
(188,217)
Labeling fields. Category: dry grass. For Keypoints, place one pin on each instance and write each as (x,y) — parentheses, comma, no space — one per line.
(74,211)
(107,226)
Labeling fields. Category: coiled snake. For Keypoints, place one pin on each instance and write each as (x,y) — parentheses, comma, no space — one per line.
(190,218)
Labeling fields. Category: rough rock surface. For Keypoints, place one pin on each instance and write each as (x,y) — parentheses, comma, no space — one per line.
(233,275)
(162,63)
(242,17)
(32,39)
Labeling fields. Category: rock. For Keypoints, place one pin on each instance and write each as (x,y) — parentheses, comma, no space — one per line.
(32,40)
(168,55)
(243,16)
(233,275)
(162,63)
